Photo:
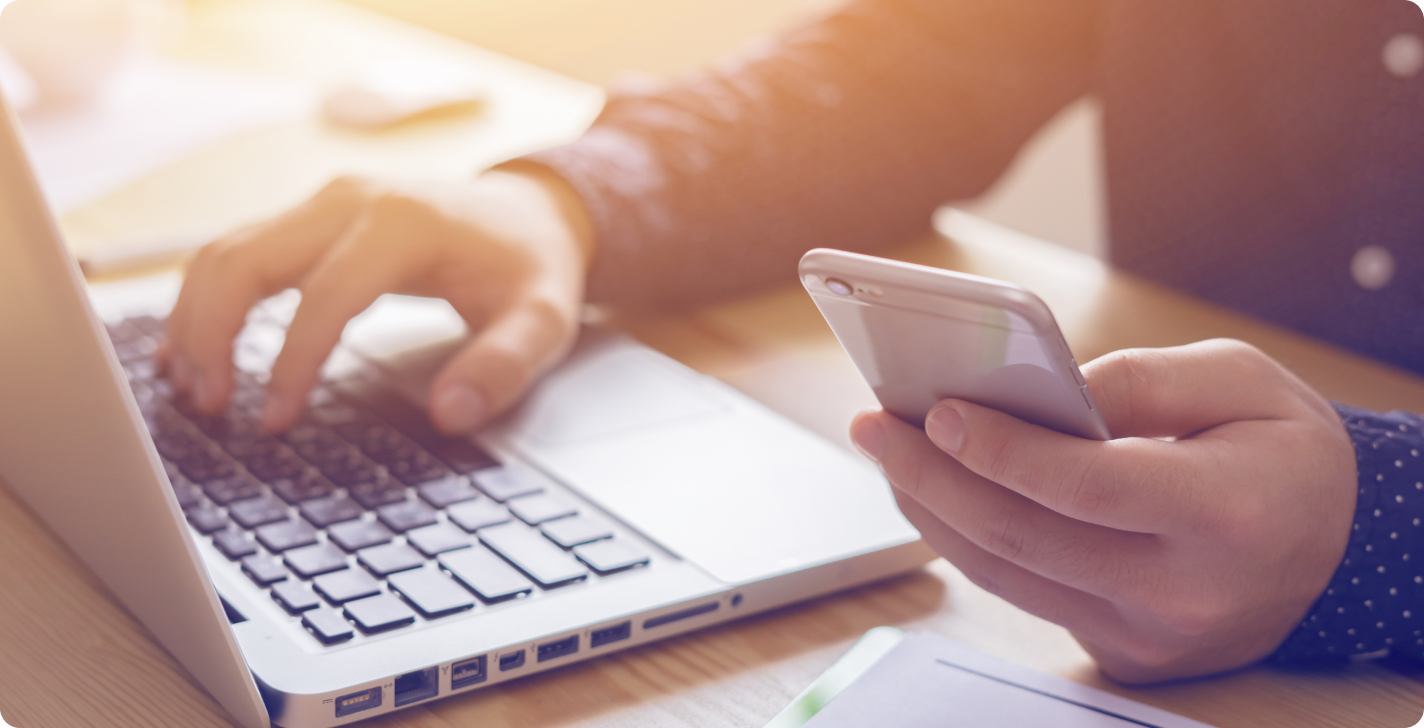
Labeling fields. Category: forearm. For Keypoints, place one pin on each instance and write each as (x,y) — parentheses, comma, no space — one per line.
(1375,601)
(845,133)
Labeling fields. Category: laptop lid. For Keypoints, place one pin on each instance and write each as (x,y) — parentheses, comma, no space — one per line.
(74,448)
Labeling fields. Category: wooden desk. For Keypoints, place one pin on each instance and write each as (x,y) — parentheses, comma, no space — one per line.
(69,656)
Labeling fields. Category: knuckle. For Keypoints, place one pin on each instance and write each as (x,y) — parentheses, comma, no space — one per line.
(551,319)
(1086,487)
(997,456)
(1005,534)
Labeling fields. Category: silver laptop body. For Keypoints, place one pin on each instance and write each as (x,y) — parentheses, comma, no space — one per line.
(733,509)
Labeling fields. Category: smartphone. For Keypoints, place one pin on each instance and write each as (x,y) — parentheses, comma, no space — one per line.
(920,335)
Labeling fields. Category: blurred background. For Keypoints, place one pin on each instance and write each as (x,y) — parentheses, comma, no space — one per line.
(1054,190)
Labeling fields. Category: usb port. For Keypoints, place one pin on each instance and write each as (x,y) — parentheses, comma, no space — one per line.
(558,648)
(468,672)
(357,702)
(511,661)
(616,633)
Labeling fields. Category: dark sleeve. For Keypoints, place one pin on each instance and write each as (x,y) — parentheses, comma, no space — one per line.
(846,132)
(1375,601)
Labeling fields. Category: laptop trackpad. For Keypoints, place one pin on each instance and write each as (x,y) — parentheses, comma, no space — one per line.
(698,467)
(611,392)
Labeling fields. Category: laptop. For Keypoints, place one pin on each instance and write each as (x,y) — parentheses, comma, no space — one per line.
(362,562)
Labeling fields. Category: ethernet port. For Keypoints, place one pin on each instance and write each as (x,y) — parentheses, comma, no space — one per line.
(416,686)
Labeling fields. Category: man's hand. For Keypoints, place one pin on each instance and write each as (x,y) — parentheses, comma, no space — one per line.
(1165,558)
(508,250)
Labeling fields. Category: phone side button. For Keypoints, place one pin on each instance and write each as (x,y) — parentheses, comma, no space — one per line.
(1077,374)
(1087,396)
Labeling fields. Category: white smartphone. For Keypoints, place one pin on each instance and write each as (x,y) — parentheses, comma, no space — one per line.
(920,335)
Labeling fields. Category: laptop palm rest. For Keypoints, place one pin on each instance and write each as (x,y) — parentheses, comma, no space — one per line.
(697,466)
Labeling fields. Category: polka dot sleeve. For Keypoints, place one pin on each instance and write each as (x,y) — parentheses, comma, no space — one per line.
(1375,601)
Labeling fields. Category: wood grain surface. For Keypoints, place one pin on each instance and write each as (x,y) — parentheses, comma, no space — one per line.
(70,656)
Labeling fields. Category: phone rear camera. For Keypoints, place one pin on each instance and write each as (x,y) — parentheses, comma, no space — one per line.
(838,286)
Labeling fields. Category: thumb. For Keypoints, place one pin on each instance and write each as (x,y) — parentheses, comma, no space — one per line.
(1185,389)
(494,370)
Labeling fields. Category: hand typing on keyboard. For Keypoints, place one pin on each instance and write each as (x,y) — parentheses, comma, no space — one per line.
(508,250)
(362,518)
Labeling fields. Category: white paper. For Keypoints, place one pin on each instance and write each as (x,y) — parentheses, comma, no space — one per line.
(928,681)
(155,112)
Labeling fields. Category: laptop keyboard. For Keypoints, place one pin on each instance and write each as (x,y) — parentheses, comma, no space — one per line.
(362,518)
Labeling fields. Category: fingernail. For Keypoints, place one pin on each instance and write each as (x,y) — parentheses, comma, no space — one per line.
(869,436)
(459,408)
(945,427)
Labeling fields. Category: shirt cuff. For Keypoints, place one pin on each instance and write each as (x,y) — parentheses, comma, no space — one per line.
(1373,602)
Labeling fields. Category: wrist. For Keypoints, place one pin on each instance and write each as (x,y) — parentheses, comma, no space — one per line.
(564,201)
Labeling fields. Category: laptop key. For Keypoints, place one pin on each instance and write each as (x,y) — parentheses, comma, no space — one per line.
(416,468)
(357,535)
(379,613)
(576,531)
(188,495)
(390,558)
(264,569)
(234,544)
(295,596)
(290,534)
(230,488)
(502,484)
(276,465)
(447,491)
(249,446)
(349,470)
(544,562)
(327,624)
(323,512)
(607,557)
(202,466)
(474,515)
(486,574)
(314,560)
(307,485)
(404,516)
(255,512)
(458,453)
(316,445)
(377,494)
(206,519)
(536,509)
(435,540)
(347,585)
(431,592)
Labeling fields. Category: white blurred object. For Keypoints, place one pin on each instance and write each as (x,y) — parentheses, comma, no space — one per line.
(15,83)
(73,48)
(153,113)
(393,91)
